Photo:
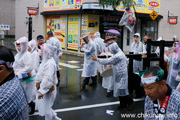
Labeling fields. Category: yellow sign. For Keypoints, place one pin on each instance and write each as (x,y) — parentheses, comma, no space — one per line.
(144,6)
(90,23)
(61,5)
(73,25)
(153,15)
(57,25)
(93,25)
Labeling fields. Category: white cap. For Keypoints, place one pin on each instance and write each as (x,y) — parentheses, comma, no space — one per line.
(175,36)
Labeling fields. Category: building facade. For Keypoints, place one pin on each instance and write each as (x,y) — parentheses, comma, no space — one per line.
(7,15)
(69,19)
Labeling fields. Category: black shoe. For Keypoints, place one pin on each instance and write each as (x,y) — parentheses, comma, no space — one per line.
(130,106)
(93,84)
(121,107)
(32,105)
(83,87)
(109,94)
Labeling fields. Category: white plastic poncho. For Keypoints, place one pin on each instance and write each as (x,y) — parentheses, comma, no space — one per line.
(47,76)
(173,78)
(55,42)
(23,64)
(100,45)
(89,66)
(107,82)
(120,73)
(137,48)
(35,57)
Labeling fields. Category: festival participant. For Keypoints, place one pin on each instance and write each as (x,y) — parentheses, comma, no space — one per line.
(162,102)
(46,81)
(120,73)
(23,68)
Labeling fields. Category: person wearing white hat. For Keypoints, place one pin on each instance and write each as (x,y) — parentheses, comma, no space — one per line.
(136,47)
(162,102)
(175,38)
(89,66)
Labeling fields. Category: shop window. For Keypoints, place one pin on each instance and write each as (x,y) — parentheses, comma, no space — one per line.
(150,28)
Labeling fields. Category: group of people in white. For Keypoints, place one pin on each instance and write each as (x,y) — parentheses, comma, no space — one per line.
(36,66)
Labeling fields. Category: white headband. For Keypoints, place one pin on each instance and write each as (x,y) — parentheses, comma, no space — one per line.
(149,80)
(8,64)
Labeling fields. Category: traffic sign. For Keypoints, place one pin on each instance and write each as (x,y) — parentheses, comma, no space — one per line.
(4,27)
(153,15)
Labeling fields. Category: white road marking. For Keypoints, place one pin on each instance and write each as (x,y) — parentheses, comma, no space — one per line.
(88,106)
(73,61)
(68,65)
(79,70)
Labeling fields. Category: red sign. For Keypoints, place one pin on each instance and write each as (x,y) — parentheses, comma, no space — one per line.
(154,4)
(172,20)
(32,11)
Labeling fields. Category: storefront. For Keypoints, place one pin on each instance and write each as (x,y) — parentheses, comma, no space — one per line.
(69,19)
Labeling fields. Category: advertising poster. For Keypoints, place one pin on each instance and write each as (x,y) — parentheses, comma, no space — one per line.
(61,5)
(57,2)
(144,6)
(93,25)
(51,2)
(64,2)
(84,27)
(57,25)
(73,21)
(70,2)
(46,3)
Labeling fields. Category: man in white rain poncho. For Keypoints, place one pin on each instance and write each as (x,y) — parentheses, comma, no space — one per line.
(35,55)
(46,81)
(23,67)
(174,66)
(32,48)
(55,42)
(89,66)
(100,45)
(120,73)
(136,47)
